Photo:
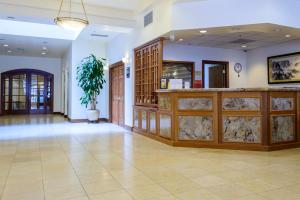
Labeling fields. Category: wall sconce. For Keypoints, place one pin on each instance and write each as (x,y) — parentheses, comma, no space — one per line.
(126,59)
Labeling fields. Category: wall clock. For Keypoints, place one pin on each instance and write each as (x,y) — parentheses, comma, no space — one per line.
(238,68)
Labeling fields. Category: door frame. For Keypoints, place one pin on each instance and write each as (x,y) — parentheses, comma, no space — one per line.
(28,73)
(110,90)
(226,63)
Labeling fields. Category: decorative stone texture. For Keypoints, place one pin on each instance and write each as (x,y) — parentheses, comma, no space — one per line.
(144,120)
(165,126)
(281,104)
(241,104)
(242,129)
(136,119)
(196,128)
(283,129)
(164,102)
(195,104)
(153,122)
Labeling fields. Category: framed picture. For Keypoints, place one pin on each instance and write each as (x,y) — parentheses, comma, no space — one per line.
(164,83)
(284,68)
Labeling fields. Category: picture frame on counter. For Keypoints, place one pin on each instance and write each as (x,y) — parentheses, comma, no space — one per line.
(164,83)
(284,68)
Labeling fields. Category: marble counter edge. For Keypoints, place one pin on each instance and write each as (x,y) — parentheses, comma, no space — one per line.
(195,90)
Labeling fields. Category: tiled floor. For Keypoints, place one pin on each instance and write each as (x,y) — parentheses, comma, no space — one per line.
(49,158)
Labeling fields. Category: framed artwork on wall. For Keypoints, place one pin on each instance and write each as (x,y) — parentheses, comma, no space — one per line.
(284,68)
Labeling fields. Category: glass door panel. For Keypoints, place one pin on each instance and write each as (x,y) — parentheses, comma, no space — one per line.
(37,93)
(19,93)
(6,94)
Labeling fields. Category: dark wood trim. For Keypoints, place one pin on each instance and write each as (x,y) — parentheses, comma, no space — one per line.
(160,39)
(184,62)
(117,64)
(226,63)
(268,65)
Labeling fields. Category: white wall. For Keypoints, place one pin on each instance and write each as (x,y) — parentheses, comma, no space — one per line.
(116,50)
(51,65)
(257,64)
(81,49)
(197,54)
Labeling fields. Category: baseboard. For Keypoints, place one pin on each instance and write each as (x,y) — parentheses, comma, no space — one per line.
(86,120)
(128,128)
(58,113)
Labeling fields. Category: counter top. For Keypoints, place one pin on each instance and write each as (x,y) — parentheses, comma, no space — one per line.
(269,89)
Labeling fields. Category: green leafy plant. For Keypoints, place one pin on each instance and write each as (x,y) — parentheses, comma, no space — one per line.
(90,77)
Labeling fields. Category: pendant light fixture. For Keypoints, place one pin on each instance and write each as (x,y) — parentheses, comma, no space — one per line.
(69,22)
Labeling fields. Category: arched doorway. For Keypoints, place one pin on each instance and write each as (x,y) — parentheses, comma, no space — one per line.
(26,91)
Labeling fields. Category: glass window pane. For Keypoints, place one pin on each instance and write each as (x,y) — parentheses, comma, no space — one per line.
(6,106)
(15,91)
(15,98)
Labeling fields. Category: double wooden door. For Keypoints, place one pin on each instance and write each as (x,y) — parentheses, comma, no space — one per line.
(117,93)
(26,91)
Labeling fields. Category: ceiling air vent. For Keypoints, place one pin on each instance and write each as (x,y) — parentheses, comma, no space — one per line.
(98,35)
(148,19)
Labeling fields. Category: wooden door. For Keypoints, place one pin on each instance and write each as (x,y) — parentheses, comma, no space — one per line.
(117,93)
(215,74)
(27,91)
(217,77)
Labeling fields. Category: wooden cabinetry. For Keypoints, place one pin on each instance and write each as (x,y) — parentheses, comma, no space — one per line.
(148,65)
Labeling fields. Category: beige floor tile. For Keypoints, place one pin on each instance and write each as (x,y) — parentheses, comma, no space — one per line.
(70,161)
(134,181)
(102,186)
(148,192)
(210,180)
(199,194)
(252,197)
(229,191)
(64,192)
(115,195)
(180,186)
(280,194)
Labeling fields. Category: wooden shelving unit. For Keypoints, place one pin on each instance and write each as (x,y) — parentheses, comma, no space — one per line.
(148,69)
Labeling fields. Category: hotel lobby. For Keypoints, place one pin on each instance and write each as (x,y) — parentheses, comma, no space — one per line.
(149,100)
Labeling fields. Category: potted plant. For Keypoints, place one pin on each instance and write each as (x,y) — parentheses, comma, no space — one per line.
(90,77)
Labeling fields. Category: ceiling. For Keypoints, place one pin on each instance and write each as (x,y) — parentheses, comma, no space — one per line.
(244,37)
(121,4)
(32,46)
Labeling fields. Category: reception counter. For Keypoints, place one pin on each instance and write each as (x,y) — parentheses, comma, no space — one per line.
(247,119)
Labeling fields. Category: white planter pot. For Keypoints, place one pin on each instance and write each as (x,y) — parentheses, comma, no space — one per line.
(93,115)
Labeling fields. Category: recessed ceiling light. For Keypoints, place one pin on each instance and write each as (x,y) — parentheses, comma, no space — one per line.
(5,45)
(44,48)
(43,53)
(203,31)
(9,51)
(288,36)
(180,40)
(244,46)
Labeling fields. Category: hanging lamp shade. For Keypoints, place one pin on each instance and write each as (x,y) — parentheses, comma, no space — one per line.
(69,22)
